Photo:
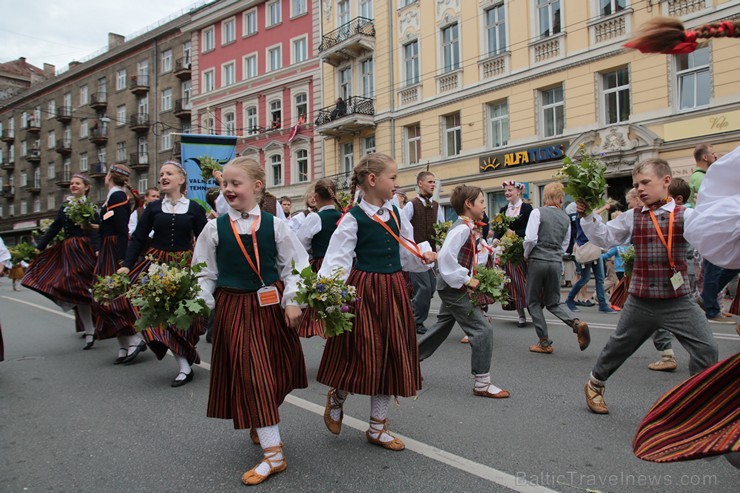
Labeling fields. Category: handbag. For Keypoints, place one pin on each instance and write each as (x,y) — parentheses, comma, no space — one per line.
(587,253)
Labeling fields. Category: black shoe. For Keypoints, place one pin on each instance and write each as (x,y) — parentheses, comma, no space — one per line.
(120,359)
(141,347)
(421,330)
(180,383)
(521,324)
(89,345)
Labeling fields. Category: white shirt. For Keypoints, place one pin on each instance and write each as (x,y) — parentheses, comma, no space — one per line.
(289,250)
(297,220)
(179,207)
(133,220)
(344,240)
(408,211)
(310,227)
(513,210)
(618,231)
(714,227)
(454,274)
(222,206)
(5,257)
(531,234)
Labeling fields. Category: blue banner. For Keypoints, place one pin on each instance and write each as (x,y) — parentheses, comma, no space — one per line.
(196,146)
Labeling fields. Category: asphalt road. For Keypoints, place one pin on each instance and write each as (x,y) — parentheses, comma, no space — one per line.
(71,421)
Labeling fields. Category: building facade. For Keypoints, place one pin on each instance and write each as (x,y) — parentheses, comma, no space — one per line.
(484,91)
(257,77)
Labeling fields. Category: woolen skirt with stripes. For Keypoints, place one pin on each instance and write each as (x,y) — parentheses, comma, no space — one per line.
(698,418)
(257,360)
(380,355)
(64,273)
(112,319)
(620,292)
(310,325)
(516,287)
(160,339)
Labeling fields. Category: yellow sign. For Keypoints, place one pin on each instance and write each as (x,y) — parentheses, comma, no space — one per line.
(704,125)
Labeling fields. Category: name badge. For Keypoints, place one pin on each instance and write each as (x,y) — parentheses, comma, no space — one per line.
(676,281)
(268,296)
(107,215)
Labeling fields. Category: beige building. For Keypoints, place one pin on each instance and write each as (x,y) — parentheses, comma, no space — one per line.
(481,91)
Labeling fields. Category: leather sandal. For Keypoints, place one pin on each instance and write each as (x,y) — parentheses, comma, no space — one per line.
(595,398)
(502,394)
(252,477)
(580,328)
(333,426)
(396,444)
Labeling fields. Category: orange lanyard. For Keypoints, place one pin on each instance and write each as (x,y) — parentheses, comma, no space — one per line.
(667,244)
(255,268)
(405,242)
(115,205)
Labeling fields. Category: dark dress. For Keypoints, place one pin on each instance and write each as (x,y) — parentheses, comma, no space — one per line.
(517,273)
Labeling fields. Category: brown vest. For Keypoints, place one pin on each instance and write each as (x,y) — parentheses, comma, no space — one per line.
(423,221)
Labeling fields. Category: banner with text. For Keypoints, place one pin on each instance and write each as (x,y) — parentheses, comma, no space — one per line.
(194,148)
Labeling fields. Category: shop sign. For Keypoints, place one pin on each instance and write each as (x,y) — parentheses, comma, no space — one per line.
(523,157)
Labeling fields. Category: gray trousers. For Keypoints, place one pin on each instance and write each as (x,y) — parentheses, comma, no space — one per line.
(662,340)
(543,291)
(425,284)
(639,319)
(456,307)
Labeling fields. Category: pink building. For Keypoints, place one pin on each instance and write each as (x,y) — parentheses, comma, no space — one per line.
(256,75)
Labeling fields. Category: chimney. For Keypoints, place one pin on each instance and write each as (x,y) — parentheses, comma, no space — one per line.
(73,63)
(115,40)
(49,70)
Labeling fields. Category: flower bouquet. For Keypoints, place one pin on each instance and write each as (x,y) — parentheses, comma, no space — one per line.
(501,223)
(80,211)
(22,252)
(43,228)
(440,233)
(585,178)
(512,249)
(628,257)
(207,166)
(167,294)
(108,288)
(491,289)
(329,297)
(345,200)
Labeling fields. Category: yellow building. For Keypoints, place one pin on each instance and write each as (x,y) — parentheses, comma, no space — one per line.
(481,91)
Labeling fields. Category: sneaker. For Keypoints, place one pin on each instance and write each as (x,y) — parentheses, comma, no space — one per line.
(571,305)
(666,363)
(616,308)
(719,319)
(595,398)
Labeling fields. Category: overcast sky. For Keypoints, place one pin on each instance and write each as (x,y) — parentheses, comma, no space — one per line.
(60,31)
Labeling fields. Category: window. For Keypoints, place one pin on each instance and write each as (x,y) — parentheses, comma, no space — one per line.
(84,95)
(84,132)
(167,100)
(301,161)
(67,168)
(143,184)
(366,72)
(51,171)
(343,14)
(51,109)
(67,134)
(37,204)
(229,123)
(276,113)
(142,70)
(228,31)
(51,202)
(229,74)
(274,14)
(275,56)
(348,157)
(496,30)
(102,156)
(250,66)
(24,179)
(609,7)
(276,168)
(298,7)
(209,126)
(102,86)
(209,42)
(24,148)
(412,136)
(345,83)
(411,62)
(52,140)
(121,80)
(301,107)
(186,51)
(166,139)
(208,82)
(67,100)
(616,92)
(368,145)
(498,118)
(24,207)
(84,163)
(142,105)
(694,85)
(121,115)
(548,15)
(451,48)
(453,134)
(553,118)
(167,61)
(250,22)
(11,210)
(121,152)
(142,144)
(300,50)
(252,121)
(366,9)
(407,2)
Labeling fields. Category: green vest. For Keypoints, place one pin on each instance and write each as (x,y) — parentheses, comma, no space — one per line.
(233,269)
(320,241)
(376,250)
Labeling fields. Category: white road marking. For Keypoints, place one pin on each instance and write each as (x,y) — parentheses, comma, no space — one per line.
(51,310)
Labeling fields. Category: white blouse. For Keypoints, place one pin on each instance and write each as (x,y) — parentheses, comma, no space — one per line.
(5,257)
(454,274)
(179,207)
(289,250)
(310,227)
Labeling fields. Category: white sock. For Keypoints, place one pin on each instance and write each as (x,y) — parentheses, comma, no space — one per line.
(123,342)
(134,341)
(337,398)
(269,437)
(483,382)
(668,353)
(379,410)
(184,367)
(85,312)
(522,315)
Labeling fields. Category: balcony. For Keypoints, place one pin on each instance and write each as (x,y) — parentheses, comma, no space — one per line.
(8,136)
(138,161)
(33,156)
(449,81)
(99,101)
(342,180)
(355,114)
(182,108)
(348,41)
(139,84)
(139,122)
(34,187)
(8,191)
(547,48)
(611,28)
(9,166)
(98,170)
(99,134)
(63,183)
(64,147)
(33,126)
(64,114)
(182,68)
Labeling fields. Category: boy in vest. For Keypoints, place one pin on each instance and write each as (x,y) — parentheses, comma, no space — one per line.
(659,289)
(546,238)
(423,213)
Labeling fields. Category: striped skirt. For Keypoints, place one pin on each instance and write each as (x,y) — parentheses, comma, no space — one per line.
(64,272)
(735,307)
(160,339)
(698,418)
(112,318)
(257,360)
(380,355)
(310,325)
(620,292)
(516,287)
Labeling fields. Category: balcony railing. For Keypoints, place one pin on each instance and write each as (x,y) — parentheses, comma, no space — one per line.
(64,146)
(9,166)
(8,191)
(139,161)
(139,122)
(33,126)
(98,170)
(64,114)
(7,136)
(182,108)
(99,100)
(342,180)
(99,134)
(34,187)
(33,156)
(348,41)
(354,105)
(182,68)
(139,84)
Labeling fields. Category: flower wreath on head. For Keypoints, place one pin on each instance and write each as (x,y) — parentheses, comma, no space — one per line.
(512,183)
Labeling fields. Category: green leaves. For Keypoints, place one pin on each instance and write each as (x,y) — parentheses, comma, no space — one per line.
(329,297)
(585,179)
(207,166)
(512,249)
(80,211)
(492,281)
(22,252)
(440,232)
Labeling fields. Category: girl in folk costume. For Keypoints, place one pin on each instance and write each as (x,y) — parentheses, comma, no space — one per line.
(379,356)
(112,320)
(314,234)
(257,356)
(175,221)
(517,273)
(65,272)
